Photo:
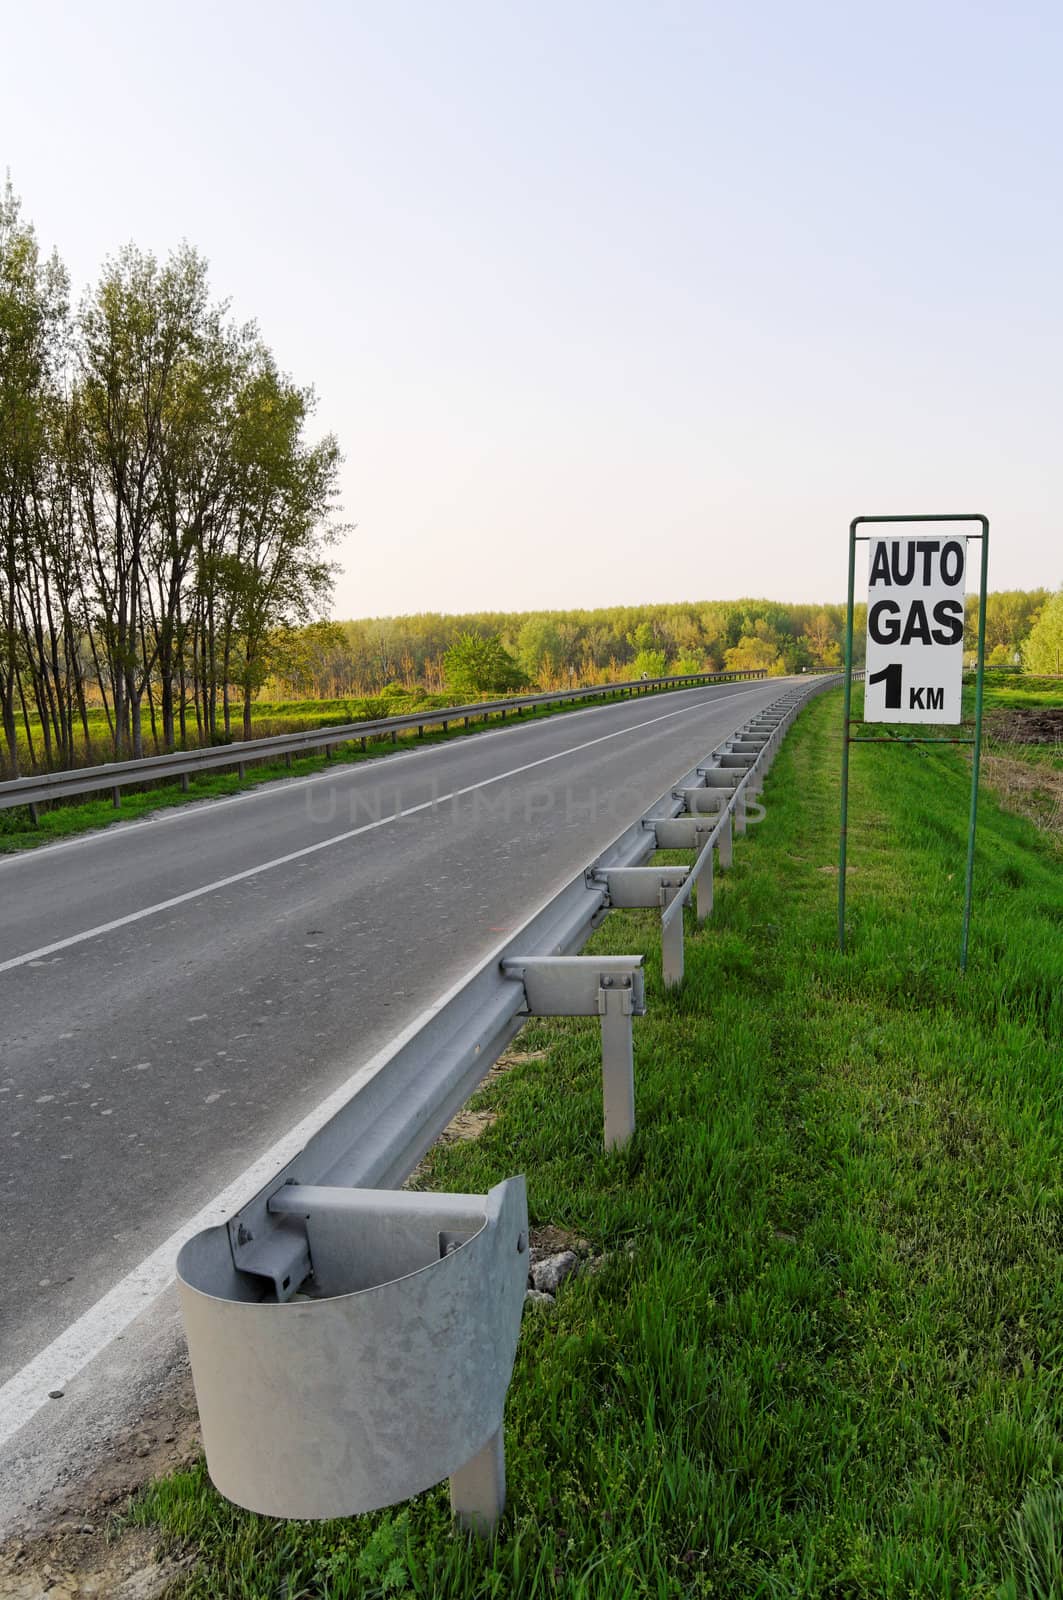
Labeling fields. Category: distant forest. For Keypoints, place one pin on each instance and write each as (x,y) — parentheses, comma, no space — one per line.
(556,648)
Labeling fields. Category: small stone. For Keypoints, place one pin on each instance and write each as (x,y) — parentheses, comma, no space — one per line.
(539,1298)
(548,1275)
(56,1394)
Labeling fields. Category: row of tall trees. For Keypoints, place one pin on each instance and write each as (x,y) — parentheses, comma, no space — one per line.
(559,647)
(162,512)
(554,648)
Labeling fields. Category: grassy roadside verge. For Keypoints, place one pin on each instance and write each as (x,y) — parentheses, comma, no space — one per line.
(62,821)
(822,1357)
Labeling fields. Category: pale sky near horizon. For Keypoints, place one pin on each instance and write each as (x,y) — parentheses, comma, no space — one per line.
(606,302)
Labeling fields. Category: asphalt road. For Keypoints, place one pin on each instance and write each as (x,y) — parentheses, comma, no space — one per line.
(176,993)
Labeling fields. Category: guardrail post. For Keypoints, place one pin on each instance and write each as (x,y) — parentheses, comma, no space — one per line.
(478,1489)
(116,799)
(703,888)
(726,844)
(671,942)
(35,815)
(633,888)
(740,811)
(618,1060)
(610,987)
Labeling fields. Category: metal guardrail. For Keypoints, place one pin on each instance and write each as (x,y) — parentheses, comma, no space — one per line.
(351,1344)
(119,775)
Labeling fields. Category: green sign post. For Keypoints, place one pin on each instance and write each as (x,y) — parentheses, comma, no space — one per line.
(915,627)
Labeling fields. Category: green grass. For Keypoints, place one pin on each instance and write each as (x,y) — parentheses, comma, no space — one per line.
(1022,691)
(269,717)
(59,820)
(830,1364)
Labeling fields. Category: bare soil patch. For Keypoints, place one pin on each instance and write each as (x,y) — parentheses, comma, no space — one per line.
(1026,725)
(77,1552)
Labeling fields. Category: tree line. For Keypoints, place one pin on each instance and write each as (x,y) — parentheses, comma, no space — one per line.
(164,518)
(553,649)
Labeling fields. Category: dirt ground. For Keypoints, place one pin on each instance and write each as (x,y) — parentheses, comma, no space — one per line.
(77,1552)
(1036,725)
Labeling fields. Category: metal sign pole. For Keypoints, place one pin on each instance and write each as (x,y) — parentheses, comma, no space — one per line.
(848,737)
(976,761)
(845,736)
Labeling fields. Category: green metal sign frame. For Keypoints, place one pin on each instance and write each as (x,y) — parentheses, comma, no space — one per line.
(850,738)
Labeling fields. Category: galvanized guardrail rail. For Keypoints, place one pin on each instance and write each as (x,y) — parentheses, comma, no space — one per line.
(118,775)
(352,1343)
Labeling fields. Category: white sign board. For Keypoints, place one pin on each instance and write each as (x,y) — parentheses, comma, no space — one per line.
(915,600)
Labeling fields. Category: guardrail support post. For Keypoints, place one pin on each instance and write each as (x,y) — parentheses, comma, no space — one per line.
(703,891)
(116,799)
(35,815)
(618,1061)
(609,987)
(184,781)
(671,943)
(740,811)
(726,845)
(478,1489)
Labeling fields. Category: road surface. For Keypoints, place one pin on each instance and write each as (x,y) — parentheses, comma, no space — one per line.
(176,993)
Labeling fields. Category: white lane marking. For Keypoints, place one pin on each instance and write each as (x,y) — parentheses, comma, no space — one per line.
(196,808)
(336,838)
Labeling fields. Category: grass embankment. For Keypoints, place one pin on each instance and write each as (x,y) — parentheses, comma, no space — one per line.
(822,1357)
(1020,689)
(60,820)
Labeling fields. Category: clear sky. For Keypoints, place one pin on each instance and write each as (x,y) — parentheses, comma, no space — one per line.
(606,302)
